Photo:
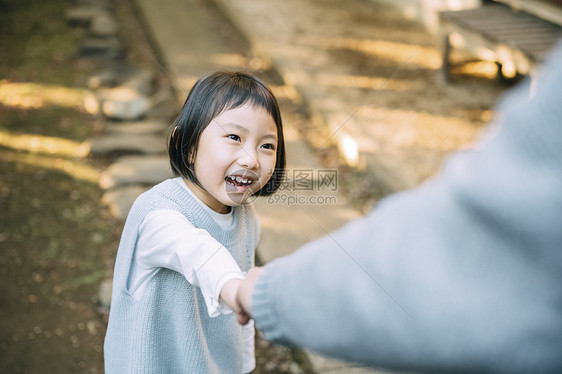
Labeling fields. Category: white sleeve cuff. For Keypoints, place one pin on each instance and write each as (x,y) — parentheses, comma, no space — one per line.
(215,306)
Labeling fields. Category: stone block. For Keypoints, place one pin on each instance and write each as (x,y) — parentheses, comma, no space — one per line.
(149,126)
(120,200)
(96,46)
(110,77)
(118,103)
(103,25)
(101,4)
(112,144)
(81,15)
(123,103)
(141,170)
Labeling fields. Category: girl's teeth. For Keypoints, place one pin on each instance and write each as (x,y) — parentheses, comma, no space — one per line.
(239,180)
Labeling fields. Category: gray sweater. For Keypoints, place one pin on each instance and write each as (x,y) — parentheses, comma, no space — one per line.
(168,330)
(462,274)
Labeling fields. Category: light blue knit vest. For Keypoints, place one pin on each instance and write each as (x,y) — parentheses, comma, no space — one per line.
(169,329)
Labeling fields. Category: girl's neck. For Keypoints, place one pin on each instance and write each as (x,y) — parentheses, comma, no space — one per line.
(206,198)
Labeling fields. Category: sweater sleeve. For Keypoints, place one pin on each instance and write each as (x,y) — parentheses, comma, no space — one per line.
(461,274)
(168,240)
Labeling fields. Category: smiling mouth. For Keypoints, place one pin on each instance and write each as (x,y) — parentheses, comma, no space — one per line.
(238,181)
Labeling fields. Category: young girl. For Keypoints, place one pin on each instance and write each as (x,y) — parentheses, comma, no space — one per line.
(188,241)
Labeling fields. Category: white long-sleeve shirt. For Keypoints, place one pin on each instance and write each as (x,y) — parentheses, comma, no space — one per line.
(168,240)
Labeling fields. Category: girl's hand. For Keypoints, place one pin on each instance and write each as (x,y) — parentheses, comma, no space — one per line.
(228,295)
(246,290)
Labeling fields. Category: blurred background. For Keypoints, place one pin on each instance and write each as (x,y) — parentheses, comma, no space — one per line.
(381,91)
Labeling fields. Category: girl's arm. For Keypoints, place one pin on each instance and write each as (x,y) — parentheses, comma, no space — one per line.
(228,295)
(167,239)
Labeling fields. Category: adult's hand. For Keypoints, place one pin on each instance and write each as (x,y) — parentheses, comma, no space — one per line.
(246,290)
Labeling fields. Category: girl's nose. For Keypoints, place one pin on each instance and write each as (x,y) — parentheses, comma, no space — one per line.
(248,158)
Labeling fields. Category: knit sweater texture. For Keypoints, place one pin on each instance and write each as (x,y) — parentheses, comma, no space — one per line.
(168,330)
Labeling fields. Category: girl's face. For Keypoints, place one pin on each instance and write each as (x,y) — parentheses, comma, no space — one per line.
(235,158)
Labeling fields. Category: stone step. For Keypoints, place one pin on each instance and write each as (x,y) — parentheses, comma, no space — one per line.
(123,143)
(110,76)
(109,47)
(82,15)
(118,74)
(125,104)
(121,103)
(103,25)
(149,126)
(119,200)
(143,170)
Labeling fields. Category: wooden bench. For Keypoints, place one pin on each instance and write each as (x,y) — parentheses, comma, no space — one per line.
(516,40)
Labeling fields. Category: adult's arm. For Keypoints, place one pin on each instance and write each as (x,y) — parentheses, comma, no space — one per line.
(462,274)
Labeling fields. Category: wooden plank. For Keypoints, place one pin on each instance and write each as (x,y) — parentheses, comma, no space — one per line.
(515,39)
(509,25)
(521,30)
(539,44)
(503,24)
(524,34)
(486,20)
(548,11)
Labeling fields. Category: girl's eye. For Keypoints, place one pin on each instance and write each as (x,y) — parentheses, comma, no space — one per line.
(269,146)
(236,138)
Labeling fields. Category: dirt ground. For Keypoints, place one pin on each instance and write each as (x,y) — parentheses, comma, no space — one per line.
(55,237)
(57,241)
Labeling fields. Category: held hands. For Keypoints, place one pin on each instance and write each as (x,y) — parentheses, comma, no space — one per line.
(246,290)
(229,294)
(237,294)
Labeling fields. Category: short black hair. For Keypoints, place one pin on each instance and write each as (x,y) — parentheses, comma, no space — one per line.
(209,97)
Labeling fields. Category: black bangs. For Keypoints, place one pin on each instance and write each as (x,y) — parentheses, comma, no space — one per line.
(238,89)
